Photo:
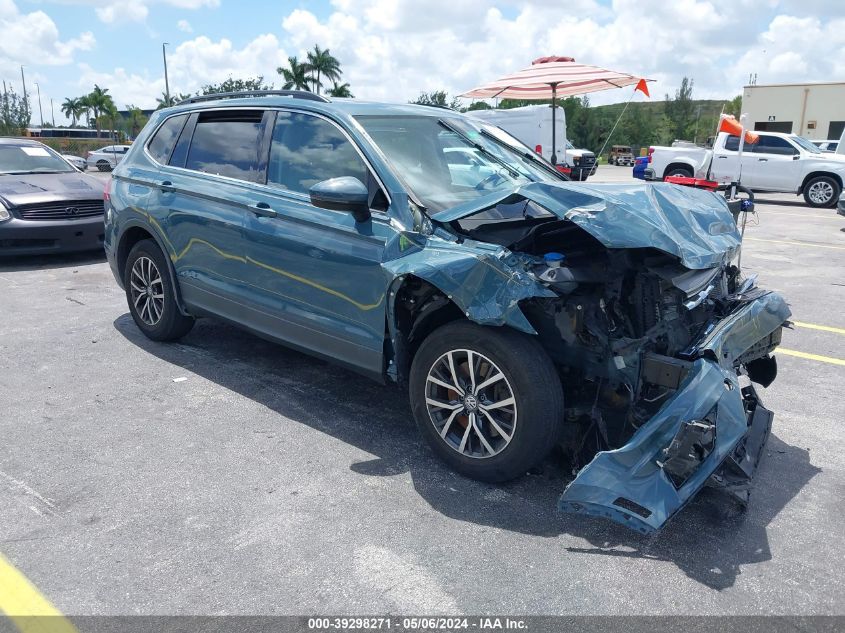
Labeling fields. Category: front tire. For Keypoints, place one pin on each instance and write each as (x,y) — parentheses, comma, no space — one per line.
(487,400)
(151,296)
(821,192)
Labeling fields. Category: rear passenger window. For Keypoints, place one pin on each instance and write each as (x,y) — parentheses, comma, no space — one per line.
(307,149)
(226,144)
(165,138)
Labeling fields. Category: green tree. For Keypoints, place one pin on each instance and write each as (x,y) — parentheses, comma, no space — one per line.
(100,102)
(73,108)
(135,120)
(322,65)
(166,101)
(235,85)
(15,112)
(680,111)
(296,76)
(340,90)
(438,98)
(478,105)
(734,106)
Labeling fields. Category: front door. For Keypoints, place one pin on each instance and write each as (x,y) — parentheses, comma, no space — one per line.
(778,167)
(315,276)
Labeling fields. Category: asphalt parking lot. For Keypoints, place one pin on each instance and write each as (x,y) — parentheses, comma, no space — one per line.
(224,474)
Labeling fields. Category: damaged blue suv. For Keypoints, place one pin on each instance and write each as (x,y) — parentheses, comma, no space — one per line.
(424,248)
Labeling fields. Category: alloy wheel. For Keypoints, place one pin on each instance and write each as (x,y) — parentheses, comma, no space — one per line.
(147,290)
(821,192)
(471,403)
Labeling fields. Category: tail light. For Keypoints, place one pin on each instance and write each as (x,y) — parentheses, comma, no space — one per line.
(650,152)
(107,191)
(539,149)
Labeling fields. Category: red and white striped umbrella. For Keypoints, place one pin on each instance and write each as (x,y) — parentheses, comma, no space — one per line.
(549,77)
(552,77)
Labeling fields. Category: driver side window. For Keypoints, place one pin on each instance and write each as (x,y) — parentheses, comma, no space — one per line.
(306,149)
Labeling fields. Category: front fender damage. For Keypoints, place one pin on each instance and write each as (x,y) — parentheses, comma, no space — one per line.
(484,281)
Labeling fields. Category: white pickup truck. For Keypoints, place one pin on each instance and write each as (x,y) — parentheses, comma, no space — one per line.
(783,163)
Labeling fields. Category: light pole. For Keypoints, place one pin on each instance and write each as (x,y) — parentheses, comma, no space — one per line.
(23,81)
(40,111)
(166,83)
(52,113)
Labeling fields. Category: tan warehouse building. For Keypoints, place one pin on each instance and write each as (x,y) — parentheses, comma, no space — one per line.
(815,111)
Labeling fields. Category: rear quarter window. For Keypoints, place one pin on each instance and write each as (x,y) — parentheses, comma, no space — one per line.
(164,140)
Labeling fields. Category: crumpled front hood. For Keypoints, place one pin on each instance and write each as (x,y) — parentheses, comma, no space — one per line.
(692,224)
(18,189)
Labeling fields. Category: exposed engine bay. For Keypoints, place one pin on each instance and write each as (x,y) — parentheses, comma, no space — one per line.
(628,329)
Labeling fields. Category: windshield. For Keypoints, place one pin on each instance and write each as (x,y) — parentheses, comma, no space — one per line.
(31,159)
(450,160)
(805,144)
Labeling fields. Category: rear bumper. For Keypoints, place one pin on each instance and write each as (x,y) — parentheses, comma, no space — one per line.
(26,237)
(709,431)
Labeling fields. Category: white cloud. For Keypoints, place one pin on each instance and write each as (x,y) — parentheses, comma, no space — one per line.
(184,26)
(33,39)
(190,65)
(122,12)
(392,49)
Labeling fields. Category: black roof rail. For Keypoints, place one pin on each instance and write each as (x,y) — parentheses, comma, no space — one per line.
(296,94)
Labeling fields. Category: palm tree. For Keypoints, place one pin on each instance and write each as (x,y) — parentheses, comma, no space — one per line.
(135,120)
(100,102)
(72,109)
(341,90)
(295,77)
(321,62)
(166,101)
(85,109)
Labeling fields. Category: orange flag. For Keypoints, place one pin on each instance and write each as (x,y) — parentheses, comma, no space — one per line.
(730,125)
(642,87)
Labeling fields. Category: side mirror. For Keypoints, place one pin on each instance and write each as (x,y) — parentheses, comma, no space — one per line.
(342,194)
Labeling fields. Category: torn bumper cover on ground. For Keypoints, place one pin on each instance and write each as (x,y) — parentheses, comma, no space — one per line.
(710,431)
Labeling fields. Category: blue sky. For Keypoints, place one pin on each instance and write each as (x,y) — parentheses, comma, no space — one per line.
(392,49)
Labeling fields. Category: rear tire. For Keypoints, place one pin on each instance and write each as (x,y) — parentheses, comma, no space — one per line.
(103,166)
(678,171)
(822,192)
(504,416)
(151,296)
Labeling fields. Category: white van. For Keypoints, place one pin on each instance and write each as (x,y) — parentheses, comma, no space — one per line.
(533,126)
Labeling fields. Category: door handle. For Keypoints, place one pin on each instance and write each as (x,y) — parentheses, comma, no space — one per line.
(762,160)
(263,210)
(167,186)
(721,156)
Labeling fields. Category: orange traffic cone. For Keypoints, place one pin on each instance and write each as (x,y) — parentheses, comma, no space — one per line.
(730,125)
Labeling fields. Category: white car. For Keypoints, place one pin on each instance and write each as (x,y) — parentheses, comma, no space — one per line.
(107,158)
(782,163)
(77,161)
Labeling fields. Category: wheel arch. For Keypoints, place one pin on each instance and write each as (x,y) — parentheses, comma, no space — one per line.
(679,165)
(416,307)
(816,174)
(134,232)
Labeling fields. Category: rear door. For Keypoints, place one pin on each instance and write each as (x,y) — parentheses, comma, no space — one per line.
(315,276)
(202,195)
(726,161)
(778,166)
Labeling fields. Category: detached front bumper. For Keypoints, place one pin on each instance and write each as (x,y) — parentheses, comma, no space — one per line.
(709,431)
